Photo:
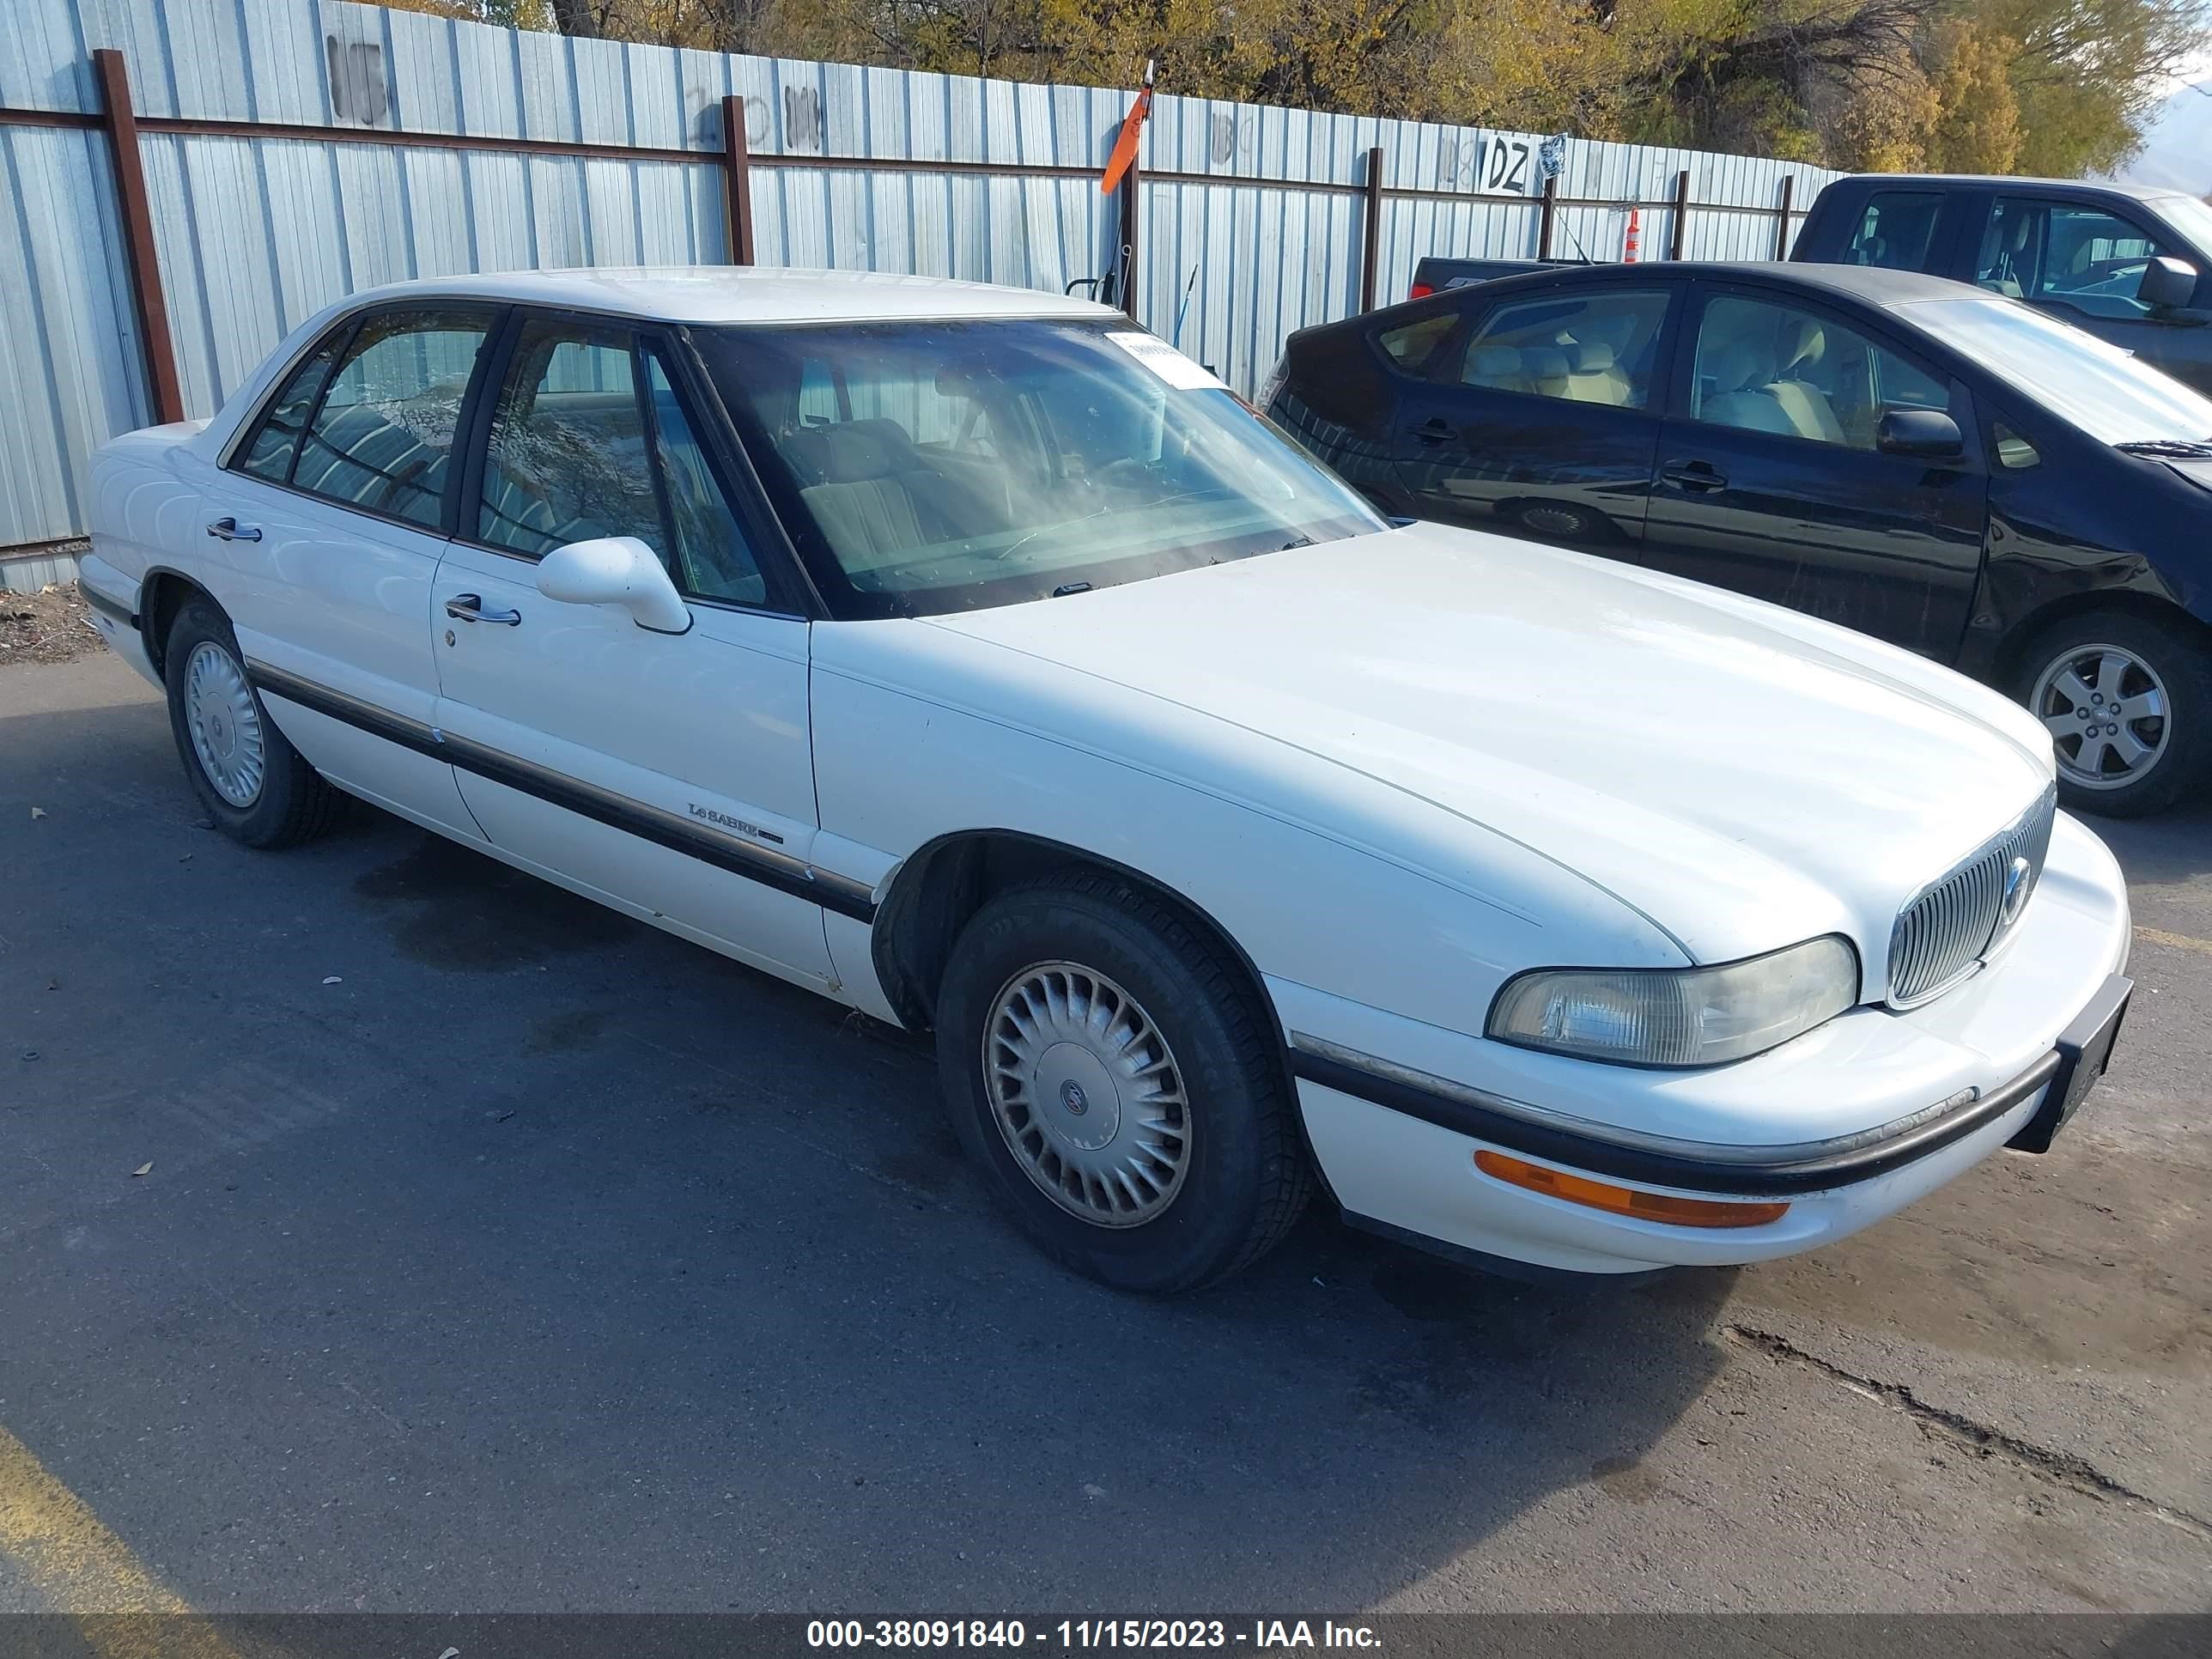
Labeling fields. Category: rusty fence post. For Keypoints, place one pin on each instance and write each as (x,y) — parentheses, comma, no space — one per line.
(737,182)
(1782,224)
(1551,215)
(1675,243)
(153,310)
(1370,252)
(1129,190)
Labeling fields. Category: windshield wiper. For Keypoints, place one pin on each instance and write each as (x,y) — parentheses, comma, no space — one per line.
(2170,449)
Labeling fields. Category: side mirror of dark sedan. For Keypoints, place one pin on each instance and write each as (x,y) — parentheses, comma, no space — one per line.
(1928,433)
(2168,283)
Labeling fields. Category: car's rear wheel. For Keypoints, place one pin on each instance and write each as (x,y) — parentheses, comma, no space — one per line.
(253,783)
(1110,1069)
(2128,702)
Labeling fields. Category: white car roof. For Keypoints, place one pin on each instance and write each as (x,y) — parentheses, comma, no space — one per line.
(745,294)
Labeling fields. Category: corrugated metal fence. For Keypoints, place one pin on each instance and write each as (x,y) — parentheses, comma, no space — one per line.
(295,150)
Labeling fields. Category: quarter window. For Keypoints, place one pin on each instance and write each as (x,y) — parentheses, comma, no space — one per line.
(2057,251)
(382,437)
(1595,349)
(270,454)
(2014,453)
(1764,367)
(589,440)
(1410,343)
(1895,230)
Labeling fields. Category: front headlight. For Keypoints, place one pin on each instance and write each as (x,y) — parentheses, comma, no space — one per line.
(1679,1016)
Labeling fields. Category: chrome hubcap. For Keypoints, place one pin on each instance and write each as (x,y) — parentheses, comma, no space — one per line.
(2106,711)
(1087,1095)
(225,723)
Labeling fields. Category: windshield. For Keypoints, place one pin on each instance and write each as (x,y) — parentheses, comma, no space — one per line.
(935,466)
(2098,387)
(2193,219)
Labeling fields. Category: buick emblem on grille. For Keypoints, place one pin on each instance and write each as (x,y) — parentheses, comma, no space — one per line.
(1946,928)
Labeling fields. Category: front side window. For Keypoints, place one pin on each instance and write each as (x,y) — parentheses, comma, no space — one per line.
(2070,254)
(1591,348)
(1895,230)
(1762,366)
(381,439)
(590,439)
(566,461)
(961,464)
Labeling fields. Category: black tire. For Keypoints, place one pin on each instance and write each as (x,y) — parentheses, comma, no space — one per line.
(1246,1177)
(294,803)
(2181,657)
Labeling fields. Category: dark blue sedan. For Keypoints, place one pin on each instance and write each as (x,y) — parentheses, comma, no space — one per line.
(1944,468)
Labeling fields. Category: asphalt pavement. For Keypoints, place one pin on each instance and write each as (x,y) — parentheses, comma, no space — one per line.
(493,1252)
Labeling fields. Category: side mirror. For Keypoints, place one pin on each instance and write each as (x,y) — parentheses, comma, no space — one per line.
(1928,433)
(615,570)
(2167,285)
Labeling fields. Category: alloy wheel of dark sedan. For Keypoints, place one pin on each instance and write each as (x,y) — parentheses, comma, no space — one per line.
(2108,714)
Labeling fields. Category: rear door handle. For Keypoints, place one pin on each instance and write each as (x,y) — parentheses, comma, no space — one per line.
(229,529)
(469,607)
(1694,475)
(1435,430)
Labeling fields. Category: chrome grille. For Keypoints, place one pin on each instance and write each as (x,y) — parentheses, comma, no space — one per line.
(1952,924)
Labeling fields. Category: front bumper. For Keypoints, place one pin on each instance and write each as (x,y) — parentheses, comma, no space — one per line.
(1849,1123)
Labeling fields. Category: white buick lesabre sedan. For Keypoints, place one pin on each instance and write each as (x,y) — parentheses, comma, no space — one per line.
(976,659)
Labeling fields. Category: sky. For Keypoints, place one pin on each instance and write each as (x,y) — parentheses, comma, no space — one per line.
(2177,152)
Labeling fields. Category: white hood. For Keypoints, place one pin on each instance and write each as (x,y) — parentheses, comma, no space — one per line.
(1743,777)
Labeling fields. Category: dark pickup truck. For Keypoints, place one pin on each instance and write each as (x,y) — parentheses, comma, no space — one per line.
(2132,267)
(1434,273)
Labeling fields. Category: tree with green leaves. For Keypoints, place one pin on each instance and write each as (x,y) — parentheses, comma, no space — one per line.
(2040,86)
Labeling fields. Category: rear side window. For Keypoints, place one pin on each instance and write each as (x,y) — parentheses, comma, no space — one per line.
(1593,349)
(1896,230)
(381,438)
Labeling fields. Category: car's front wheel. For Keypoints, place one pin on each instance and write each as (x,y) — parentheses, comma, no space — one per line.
(1110,1070)
(2128,702)
(253,783)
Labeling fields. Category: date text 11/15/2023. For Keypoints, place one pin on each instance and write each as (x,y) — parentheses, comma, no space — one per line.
(1074,1635)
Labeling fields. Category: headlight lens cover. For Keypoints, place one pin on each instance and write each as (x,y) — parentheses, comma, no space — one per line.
(1678,1017)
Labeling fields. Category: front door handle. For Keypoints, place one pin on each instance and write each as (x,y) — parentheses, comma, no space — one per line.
(1435,430)
(229,529)
(469,607)
(1694,475)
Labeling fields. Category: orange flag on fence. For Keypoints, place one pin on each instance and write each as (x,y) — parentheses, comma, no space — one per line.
(1125,143)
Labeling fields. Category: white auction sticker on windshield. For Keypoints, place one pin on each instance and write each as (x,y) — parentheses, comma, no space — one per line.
(1164,360)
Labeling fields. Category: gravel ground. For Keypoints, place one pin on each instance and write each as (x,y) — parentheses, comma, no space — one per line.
(50,626)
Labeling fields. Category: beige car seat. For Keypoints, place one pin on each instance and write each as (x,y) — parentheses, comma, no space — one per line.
(1596,375)
(1805,405)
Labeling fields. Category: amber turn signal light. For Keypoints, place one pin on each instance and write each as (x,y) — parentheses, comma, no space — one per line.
(1625,1201)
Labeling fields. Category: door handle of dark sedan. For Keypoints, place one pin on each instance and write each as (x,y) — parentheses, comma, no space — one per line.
(469,607)
(1694,475)
(229,529)
(1435,430)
